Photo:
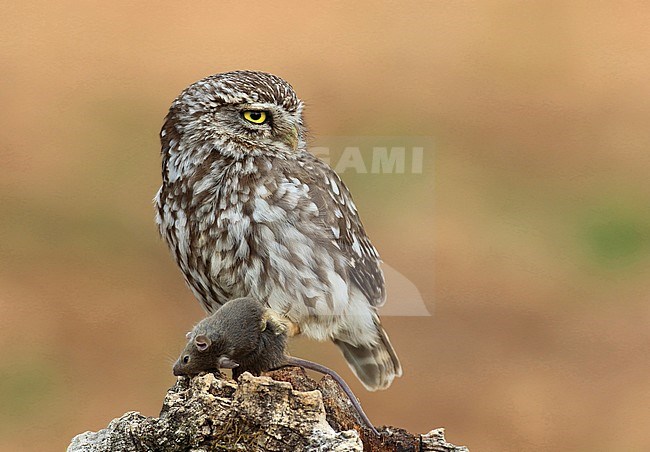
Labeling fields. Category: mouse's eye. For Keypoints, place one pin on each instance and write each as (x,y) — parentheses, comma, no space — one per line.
(186,359)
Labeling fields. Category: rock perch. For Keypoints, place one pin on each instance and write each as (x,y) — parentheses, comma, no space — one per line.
(284,411)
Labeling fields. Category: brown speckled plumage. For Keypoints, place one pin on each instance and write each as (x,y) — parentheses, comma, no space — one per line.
(247,211)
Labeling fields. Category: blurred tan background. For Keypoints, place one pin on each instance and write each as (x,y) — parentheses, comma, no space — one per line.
(528,233)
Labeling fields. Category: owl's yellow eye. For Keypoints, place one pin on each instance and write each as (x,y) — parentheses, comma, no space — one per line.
(256,117)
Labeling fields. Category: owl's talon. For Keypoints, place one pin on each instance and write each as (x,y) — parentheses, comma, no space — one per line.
(293,329)
(280,325)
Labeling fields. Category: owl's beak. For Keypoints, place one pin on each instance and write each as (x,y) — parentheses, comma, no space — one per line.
(292,138)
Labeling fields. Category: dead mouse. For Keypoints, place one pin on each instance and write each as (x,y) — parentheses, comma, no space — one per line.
(245,336)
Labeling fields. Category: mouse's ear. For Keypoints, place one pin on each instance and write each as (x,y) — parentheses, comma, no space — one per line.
(188,335)
(202,342)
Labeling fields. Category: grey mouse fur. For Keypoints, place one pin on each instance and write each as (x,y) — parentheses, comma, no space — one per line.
(240,335)
(245,336)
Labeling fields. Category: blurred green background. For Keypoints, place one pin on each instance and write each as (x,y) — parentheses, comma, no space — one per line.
(527,234)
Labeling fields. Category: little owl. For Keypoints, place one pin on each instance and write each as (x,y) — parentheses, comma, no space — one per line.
(247,212)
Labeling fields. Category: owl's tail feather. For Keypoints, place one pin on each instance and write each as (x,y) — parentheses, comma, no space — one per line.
(375,365)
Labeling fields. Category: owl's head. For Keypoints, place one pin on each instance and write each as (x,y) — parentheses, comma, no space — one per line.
(236,114)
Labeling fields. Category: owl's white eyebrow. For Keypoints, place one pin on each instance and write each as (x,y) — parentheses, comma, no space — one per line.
(258,106)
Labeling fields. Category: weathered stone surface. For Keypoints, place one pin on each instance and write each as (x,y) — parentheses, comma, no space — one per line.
(289,412)
(434,441)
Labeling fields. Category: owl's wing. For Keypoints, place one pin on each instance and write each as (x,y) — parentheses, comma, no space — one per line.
(339,214)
